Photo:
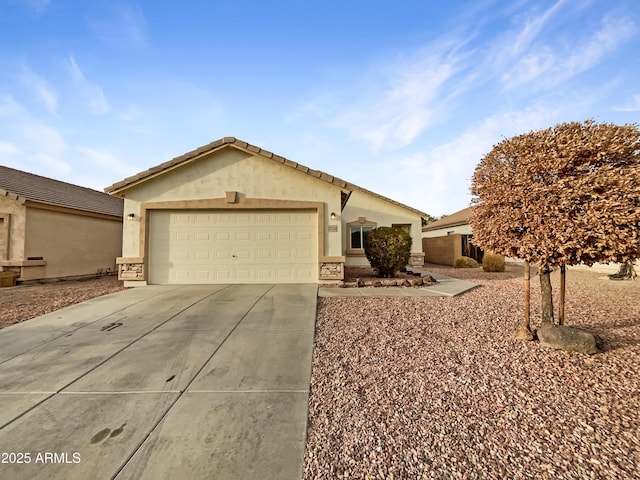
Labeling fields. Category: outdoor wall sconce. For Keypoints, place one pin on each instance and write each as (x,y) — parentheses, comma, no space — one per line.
(131,216)
(333,215)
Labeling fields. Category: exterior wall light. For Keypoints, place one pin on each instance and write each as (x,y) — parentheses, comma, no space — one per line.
(131,216)
(333,216)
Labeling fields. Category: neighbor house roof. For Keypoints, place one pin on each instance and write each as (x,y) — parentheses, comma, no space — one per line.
(453,220)
(25,187)
(247,147)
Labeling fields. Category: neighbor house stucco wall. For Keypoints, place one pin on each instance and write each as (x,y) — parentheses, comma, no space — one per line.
(16,218)
(70,244)
(252,176)
(384,214)
(442,250)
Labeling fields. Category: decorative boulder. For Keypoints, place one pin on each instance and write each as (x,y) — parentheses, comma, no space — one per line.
(565,338)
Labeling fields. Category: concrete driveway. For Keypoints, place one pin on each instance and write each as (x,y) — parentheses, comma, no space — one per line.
(159,382)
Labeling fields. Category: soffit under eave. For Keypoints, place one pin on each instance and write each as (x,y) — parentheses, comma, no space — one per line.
(344,198)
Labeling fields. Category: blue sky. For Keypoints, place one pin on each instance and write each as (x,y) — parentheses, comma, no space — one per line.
(403,98)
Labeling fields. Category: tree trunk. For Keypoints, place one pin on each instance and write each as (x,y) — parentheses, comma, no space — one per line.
(563,283)
(524,330)
(547,295)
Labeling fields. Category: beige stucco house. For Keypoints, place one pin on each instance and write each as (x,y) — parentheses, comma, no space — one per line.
(231,212)
(52,229)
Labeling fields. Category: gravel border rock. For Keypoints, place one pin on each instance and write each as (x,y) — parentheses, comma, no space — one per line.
(31,300)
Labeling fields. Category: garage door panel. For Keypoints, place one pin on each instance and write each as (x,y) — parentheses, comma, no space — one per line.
(233,247)
(241,255)
(200,256)
(203,275)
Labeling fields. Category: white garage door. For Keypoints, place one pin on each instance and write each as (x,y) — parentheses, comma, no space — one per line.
(233,246)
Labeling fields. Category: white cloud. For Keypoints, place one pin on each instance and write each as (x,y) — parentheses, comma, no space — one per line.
(544,66)
(403,101)
(41,88)
(130,114)
(632,106)
(8,106)
(93,94)
(317,107)
(37,6)
(51,166)
(614,32)
(44,139)
(105,160)
(533,26)
(121,25)
(7,149)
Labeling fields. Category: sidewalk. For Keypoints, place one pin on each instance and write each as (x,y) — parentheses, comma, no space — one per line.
(446,287)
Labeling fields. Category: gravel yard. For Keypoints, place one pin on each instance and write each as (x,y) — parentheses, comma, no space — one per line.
(420,388)
(28,301)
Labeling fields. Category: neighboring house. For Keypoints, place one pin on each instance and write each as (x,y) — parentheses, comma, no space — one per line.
(449,238)
(51,229)
(230,212)
(449,225)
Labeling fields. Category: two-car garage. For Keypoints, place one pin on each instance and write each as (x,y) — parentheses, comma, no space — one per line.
(233,246)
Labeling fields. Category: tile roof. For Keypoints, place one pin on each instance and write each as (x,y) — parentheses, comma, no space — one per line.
(239,144)
(22,187)
(458,218)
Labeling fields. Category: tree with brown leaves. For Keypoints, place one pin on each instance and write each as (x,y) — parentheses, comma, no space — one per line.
(566,195)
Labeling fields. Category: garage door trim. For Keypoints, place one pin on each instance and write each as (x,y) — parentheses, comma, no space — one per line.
(242,203)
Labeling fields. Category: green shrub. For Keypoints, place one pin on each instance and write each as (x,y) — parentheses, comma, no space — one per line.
(387,249)
(466,262)
(492,262)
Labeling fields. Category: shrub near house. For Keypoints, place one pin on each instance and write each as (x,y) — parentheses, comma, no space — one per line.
(465,262)
(492,262)
(388,250)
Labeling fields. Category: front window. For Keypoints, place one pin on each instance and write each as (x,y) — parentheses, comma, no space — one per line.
(357,236)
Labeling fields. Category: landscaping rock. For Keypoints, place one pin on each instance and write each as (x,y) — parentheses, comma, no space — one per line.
(565,338)
(428,280)
(413,282)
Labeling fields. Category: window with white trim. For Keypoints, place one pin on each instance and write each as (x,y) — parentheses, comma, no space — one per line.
(357,236)
(356,231)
